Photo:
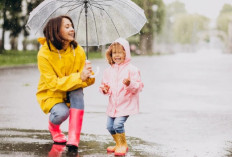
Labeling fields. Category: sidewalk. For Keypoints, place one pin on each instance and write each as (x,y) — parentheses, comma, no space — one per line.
(185,107)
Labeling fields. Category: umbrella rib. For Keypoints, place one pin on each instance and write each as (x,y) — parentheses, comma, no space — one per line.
(129,6)
(48,18)
(74,4)
(38,13)
(95,23)
(79,18)
(110,19)
(74,8)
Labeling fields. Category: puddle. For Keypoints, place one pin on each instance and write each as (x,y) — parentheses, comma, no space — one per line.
(27,143)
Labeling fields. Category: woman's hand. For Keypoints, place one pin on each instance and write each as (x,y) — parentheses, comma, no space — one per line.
(87,71)
(105,88)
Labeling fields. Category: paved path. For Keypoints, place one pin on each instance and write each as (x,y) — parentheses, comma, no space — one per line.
(186,108)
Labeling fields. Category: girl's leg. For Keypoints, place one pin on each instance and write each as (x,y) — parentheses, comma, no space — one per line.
(59,113)
(119,124)
(110,123)
(122,146)
(76,113)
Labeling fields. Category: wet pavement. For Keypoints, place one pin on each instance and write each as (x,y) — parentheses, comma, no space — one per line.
(185,110)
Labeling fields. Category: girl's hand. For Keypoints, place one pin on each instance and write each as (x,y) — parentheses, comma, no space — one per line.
(87,71)
(105,88)
(126,82)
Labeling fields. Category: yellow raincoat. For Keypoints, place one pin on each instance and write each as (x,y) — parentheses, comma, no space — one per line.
(59,73)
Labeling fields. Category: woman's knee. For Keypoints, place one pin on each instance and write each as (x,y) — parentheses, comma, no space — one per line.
(59,113)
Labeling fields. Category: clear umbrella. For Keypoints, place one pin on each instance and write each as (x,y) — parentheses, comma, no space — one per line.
(97,22)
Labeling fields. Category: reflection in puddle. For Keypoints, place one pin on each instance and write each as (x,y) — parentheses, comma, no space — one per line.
(19,142)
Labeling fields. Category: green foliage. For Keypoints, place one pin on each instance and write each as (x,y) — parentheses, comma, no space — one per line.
(224,18)
(172,10)
(13,16)
(30,6)
(155,18)
(187,26)
(13,57)
(176,8)
(17,57)
(223,21)
(227,8)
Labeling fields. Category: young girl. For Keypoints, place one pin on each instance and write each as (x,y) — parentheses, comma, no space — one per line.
(63,75)
(122,83)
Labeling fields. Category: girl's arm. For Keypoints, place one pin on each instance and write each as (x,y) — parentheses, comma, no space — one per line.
(135,84)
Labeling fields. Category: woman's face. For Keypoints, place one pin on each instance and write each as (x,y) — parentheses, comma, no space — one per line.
(66,30)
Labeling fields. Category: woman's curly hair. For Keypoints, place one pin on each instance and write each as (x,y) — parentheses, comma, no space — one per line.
(115,47)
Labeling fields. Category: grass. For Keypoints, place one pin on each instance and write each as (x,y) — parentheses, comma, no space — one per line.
(13,57)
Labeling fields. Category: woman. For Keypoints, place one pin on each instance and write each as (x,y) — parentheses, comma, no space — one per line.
(63,75)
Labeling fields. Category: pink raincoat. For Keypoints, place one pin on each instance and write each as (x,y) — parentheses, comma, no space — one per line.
(123,100)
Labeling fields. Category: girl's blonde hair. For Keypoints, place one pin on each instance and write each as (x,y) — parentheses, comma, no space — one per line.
(115,47)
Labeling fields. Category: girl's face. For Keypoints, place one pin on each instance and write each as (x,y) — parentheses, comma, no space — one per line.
(67,30)
(118,54)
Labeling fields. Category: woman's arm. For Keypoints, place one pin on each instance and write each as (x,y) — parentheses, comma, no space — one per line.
(53,82)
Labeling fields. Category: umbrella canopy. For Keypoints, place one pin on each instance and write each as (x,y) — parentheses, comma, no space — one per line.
(97,22)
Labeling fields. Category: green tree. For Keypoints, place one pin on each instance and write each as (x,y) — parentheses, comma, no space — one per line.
(187,26)
(155,22)
(31,4)
(172,11)
(224,18)
(2,16)
(12,20)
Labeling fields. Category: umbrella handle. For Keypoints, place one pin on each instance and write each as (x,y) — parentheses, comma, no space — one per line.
(95,73)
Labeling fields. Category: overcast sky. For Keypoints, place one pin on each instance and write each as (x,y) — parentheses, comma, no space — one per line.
(209,8)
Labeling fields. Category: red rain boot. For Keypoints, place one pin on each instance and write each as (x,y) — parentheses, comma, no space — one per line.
(57,135)
(56,150)
(74,131)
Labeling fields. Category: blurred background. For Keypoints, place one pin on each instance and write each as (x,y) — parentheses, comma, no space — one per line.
(173,26)
(186,101)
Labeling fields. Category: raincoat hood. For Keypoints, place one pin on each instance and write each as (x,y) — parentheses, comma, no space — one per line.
(41,40)
(126,46)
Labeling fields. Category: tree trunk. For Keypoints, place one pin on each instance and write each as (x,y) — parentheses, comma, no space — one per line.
(146,43)
(14,43)
(2,48)
(25,44)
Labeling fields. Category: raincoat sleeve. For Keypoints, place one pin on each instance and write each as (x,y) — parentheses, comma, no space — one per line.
(54,83)
(136,84)
(89,81)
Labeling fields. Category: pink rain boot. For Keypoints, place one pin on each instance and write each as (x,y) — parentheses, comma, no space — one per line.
(57,135)
(56,150)
(74,131)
